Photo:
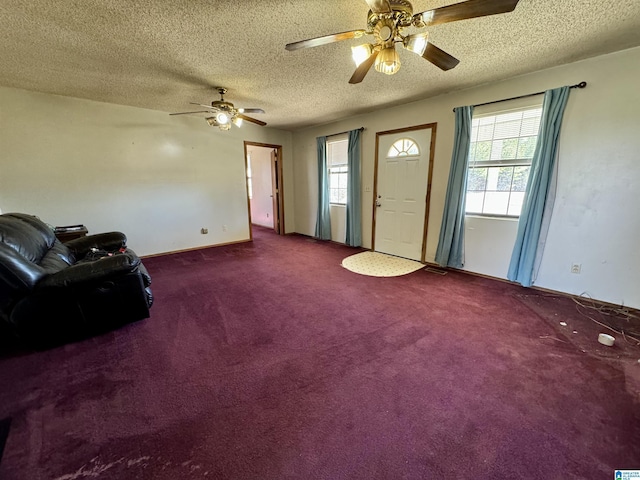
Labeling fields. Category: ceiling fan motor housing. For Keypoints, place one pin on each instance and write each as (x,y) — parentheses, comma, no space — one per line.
(402,14)
(222,105)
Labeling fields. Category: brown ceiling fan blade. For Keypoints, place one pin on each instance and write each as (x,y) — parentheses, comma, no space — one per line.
(315,42)
(251,110)
(465,10)
(363,68)
(185,113)
(252,120)
(205,106)
(379,6)
(439,57)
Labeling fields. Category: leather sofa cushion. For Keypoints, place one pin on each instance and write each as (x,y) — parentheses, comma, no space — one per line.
(30,242)
(57,258)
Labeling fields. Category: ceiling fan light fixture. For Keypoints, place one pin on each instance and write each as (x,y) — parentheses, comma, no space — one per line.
(388,61)
(222,118)
(361,52)
(222,121)
(417,43)
(237,121)
(426,17)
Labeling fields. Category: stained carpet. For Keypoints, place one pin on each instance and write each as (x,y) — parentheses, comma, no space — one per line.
(268,360)
(376,264)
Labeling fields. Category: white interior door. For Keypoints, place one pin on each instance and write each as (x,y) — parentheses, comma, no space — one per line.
(401,191)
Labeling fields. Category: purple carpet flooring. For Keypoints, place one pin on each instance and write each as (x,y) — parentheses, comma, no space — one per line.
(268,360)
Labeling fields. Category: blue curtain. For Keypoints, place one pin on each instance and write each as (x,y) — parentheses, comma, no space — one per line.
(354,193)
(450,251)
(535,198)
(323,221)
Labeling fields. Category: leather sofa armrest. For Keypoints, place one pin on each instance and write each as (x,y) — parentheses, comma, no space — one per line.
(110,241)
(106,268)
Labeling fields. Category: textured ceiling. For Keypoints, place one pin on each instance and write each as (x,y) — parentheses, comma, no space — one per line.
(163,54)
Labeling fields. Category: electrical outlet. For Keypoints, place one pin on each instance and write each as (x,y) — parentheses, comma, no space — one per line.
(576,268)
(204,231)
(367,188)
(224,228)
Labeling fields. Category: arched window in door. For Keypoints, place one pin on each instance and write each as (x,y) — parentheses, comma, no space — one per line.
(403,148)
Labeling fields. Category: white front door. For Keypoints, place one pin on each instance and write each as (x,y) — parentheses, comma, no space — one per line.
(401,192)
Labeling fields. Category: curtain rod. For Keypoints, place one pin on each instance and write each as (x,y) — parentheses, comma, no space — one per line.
(341,133)
(577,85)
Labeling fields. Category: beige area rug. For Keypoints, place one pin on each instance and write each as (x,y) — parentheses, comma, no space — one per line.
(377,264)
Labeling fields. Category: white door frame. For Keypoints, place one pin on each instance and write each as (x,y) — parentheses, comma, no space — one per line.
(432,149)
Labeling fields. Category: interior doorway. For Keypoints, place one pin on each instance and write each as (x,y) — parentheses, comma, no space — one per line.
(265,198)
(402,189)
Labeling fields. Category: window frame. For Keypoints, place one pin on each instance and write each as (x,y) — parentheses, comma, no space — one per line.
(336,171)
(513,163)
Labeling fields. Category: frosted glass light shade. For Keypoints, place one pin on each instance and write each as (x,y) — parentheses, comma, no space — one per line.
(388,61)
(361,52)
(417,43)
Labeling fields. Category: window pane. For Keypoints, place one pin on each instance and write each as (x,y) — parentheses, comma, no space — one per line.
(337,152)
(508,116)
(515,203)
(520,177)
(333,180)
(333,195)
(485,132)
(493,173)
(474,132)
(504,179)
(402,148)
(496,150)
(507,129)
(342,180)
(533,112)
(483,151)
(476,179)
(530,126)
(509,149)
(496,203)
(342,195)
(474,202)
(472,152)
(526,147)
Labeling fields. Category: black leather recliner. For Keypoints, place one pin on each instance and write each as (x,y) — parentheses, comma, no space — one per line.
(53,293)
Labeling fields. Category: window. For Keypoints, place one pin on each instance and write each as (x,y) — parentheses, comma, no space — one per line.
(502,147)
(338,168)
(403,148)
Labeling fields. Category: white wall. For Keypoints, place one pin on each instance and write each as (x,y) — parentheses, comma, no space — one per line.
(338,222)
(594,222)
(157,178)
(262,200)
